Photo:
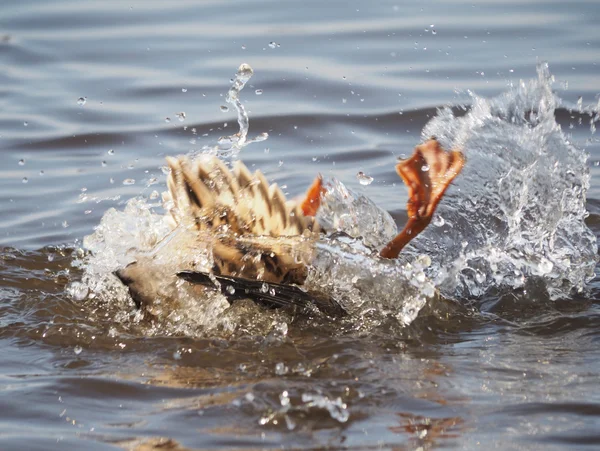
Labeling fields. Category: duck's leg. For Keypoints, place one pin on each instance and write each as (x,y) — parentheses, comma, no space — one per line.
(312,201)
(427,174)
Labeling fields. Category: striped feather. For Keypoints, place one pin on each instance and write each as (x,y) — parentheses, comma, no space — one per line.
(256,233)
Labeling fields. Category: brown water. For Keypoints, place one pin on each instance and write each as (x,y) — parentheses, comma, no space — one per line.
(347,87)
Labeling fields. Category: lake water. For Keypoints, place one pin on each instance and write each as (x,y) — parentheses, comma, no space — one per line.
(91,96)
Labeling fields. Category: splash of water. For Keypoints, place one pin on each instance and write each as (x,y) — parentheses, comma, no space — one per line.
(516,213)
(347,266)
(233,97)
(230,146)
(344,210)
(366,285)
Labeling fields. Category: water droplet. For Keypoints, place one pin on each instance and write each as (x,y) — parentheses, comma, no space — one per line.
(183,89)
(244,73)
(224,108)
(267,150)
(25,123)
(167,119)
(81,101)
(280,163)
(103,163)
(258,92)
(438,221)
(65,224)
(425,168)
(110,152)
(225,142)
(243,47)
(129,182)
(25,180)
(181,116)
(281,369)
(344,100)
(433,31)
(230,289)
(273,45)
(177,355)
(364,179)
(77,350)
(264,288)
(21,162)
(42,172)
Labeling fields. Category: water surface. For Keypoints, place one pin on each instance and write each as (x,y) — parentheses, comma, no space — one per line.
(345,88)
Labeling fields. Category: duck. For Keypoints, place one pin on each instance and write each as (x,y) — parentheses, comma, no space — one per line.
(257,244)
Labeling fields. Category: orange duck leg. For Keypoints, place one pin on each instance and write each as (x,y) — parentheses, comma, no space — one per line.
(427,174)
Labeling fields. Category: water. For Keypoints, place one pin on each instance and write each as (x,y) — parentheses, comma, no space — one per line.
(497,358)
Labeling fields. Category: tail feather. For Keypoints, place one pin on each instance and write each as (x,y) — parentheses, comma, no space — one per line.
(235,206)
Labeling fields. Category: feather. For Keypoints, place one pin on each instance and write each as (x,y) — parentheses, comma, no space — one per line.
(255,232)
(272,295)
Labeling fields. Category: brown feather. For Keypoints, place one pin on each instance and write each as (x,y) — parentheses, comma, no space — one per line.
(255,232)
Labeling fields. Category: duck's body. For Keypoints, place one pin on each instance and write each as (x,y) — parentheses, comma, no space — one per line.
(253,235)
(254,232)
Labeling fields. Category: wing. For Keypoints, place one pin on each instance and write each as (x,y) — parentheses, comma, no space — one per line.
(270,295)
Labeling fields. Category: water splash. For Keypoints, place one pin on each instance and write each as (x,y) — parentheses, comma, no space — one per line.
(230,146)
(289,407)
(516,213)
(139,233)
(244,73)
(364,179)
(368,286)
(343,210)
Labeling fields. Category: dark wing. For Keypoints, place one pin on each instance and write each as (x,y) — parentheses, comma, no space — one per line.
(272,295)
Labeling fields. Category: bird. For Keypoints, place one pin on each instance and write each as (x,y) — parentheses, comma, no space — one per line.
(254,243)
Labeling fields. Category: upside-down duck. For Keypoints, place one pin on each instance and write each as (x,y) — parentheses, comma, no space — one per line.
(253,236)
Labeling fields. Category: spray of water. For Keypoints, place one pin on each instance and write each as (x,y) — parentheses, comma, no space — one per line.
(230,146)
(514,215)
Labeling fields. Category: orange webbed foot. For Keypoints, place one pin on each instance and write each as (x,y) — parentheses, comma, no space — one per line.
(427,174)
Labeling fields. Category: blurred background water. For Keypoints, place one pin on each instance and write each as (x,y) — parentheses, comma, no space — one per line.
(91,96)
